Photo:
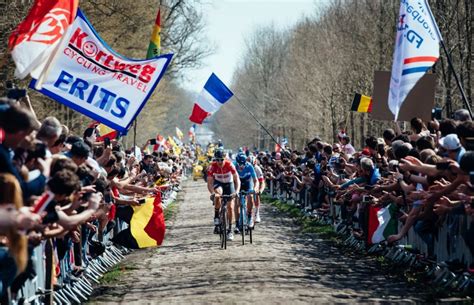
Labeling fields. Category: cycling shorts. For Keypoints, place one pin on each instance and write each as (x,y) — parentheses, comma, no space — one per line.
(227,188)
(246,185)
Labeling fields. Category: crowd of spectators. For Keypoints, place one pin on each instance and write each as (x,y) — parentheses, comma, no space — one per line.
(66,188)
(427,171)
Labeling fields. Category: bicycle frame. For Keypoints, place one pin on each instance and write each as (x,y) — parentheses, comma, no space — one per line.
(223,219)
(243,219)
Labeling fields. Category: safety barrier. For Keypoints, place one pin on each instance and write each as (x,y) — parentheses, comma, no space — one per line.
(71,287)
(448,244)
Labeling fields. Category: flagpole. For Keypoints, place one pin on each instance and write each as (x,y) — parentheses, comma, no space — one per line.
(261,125)
(134,134)
(463,94)
(450,62)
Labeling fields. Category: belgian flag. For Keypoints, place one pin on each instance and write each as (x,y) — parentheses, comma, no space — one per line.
(146,224)
(362,103)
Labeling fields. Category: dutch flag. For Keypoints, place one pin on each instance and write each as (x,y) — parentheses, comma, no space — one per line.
(211,98)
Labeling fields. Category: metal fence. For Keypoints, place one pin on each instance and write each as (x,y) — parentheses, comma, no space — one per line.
(70,288)
(448,243)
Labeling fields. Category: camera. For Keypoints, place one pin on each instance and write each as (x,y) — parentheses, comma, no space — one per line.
(106,141)
(13,92)
(366,198)
(470,143)
(152,141)
(436,113)
(442,166)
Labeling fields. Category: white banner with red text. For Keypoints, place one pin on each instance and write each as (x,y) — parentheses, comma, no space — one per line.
(88,76)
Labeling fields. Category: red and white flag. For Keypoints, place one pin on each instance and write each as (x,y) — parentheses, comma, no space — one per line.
(161,144)
(35,39)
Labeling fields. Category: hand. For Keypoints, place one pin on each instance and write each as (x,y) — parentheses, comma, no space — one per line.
(413,160)
(393,238)
(94,201)
(91,227)
(44,165)
(26,219)
(88,189)
(441,209)
(406,165)
(134,202)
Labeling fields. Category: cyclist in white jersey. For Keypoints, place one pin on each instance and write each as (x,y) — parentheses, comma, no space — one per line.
(261,186)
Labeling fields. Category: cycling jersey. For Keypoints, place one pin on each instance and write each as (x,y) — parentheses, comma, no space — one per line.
(246,172)
(259,172)
(222,174)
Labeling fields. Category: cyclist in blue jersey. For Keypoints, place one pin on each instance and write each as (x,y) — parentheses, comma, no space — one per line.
(248,182)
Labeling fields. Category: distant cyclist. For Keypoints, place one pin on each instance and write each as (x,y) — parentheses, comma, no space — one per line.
(222,179)
(248,180)
(261,186)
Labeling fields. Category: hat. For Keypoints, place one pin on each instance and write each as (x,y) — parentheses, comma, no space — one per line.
(396,144)
(450,142)
(366,152)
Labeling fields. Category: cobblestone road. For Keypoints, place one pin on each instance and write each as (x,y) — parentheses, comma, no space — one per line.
(282,266)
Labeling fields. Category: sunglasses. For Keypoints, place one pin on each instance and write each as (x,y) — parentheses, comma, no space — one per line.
(219,160)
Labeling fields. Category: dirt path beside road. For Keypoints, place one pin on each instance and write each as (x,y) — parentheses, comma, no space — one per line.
(282,266)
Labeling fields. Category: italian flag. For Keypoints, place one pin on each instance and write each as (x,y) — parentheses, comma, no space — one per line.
(382,223)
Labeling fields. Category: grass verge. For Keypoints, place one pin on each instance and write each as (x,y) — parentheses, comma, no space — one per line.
(112,276)
(307,224)
(171,210)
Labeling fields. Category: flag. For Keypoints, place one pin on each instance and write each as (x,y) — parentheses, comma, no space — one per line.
(104,131)
(179,133)
(35,39)
(161,144)
(362,103)
(192,132)
(91,78)
(178,141)
(146,224)
(155,40)
(211,98)
(382,223)
(175,146)
(416,50)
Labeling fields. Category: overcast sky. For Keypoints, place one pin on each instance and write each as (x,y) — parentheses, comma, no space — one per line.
(229,22)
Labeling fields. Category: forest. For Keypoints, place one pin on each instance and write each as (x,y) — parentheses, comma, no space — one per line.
(298,81)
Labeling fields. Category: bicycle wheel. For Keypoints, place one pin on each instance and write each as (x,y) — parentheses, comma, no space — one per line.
(243,218)
(250,234)
(224,226)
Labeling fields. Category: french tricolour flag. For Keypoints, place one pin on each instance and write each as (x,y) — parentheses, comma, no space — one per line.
(211,98)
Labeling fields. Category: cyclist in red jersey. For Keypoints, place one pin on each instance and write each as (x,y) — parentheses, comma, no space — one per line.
(222,179)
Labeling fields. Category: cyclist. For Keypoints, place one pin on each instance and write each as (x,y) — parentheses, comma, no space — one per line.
(248,179)
(261,186)
(222,179)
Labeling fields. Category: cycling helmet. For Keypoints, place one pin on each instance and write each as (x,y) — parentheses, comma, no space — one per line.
(241,159)
(218,154)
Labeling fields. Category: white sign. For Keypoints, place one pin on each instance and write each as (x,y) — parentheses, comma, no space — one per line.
(88,76)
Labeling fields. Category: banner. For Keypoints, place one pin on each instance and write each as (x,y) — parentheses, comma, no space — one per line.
(418,102)
(416,50)
(91,78)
